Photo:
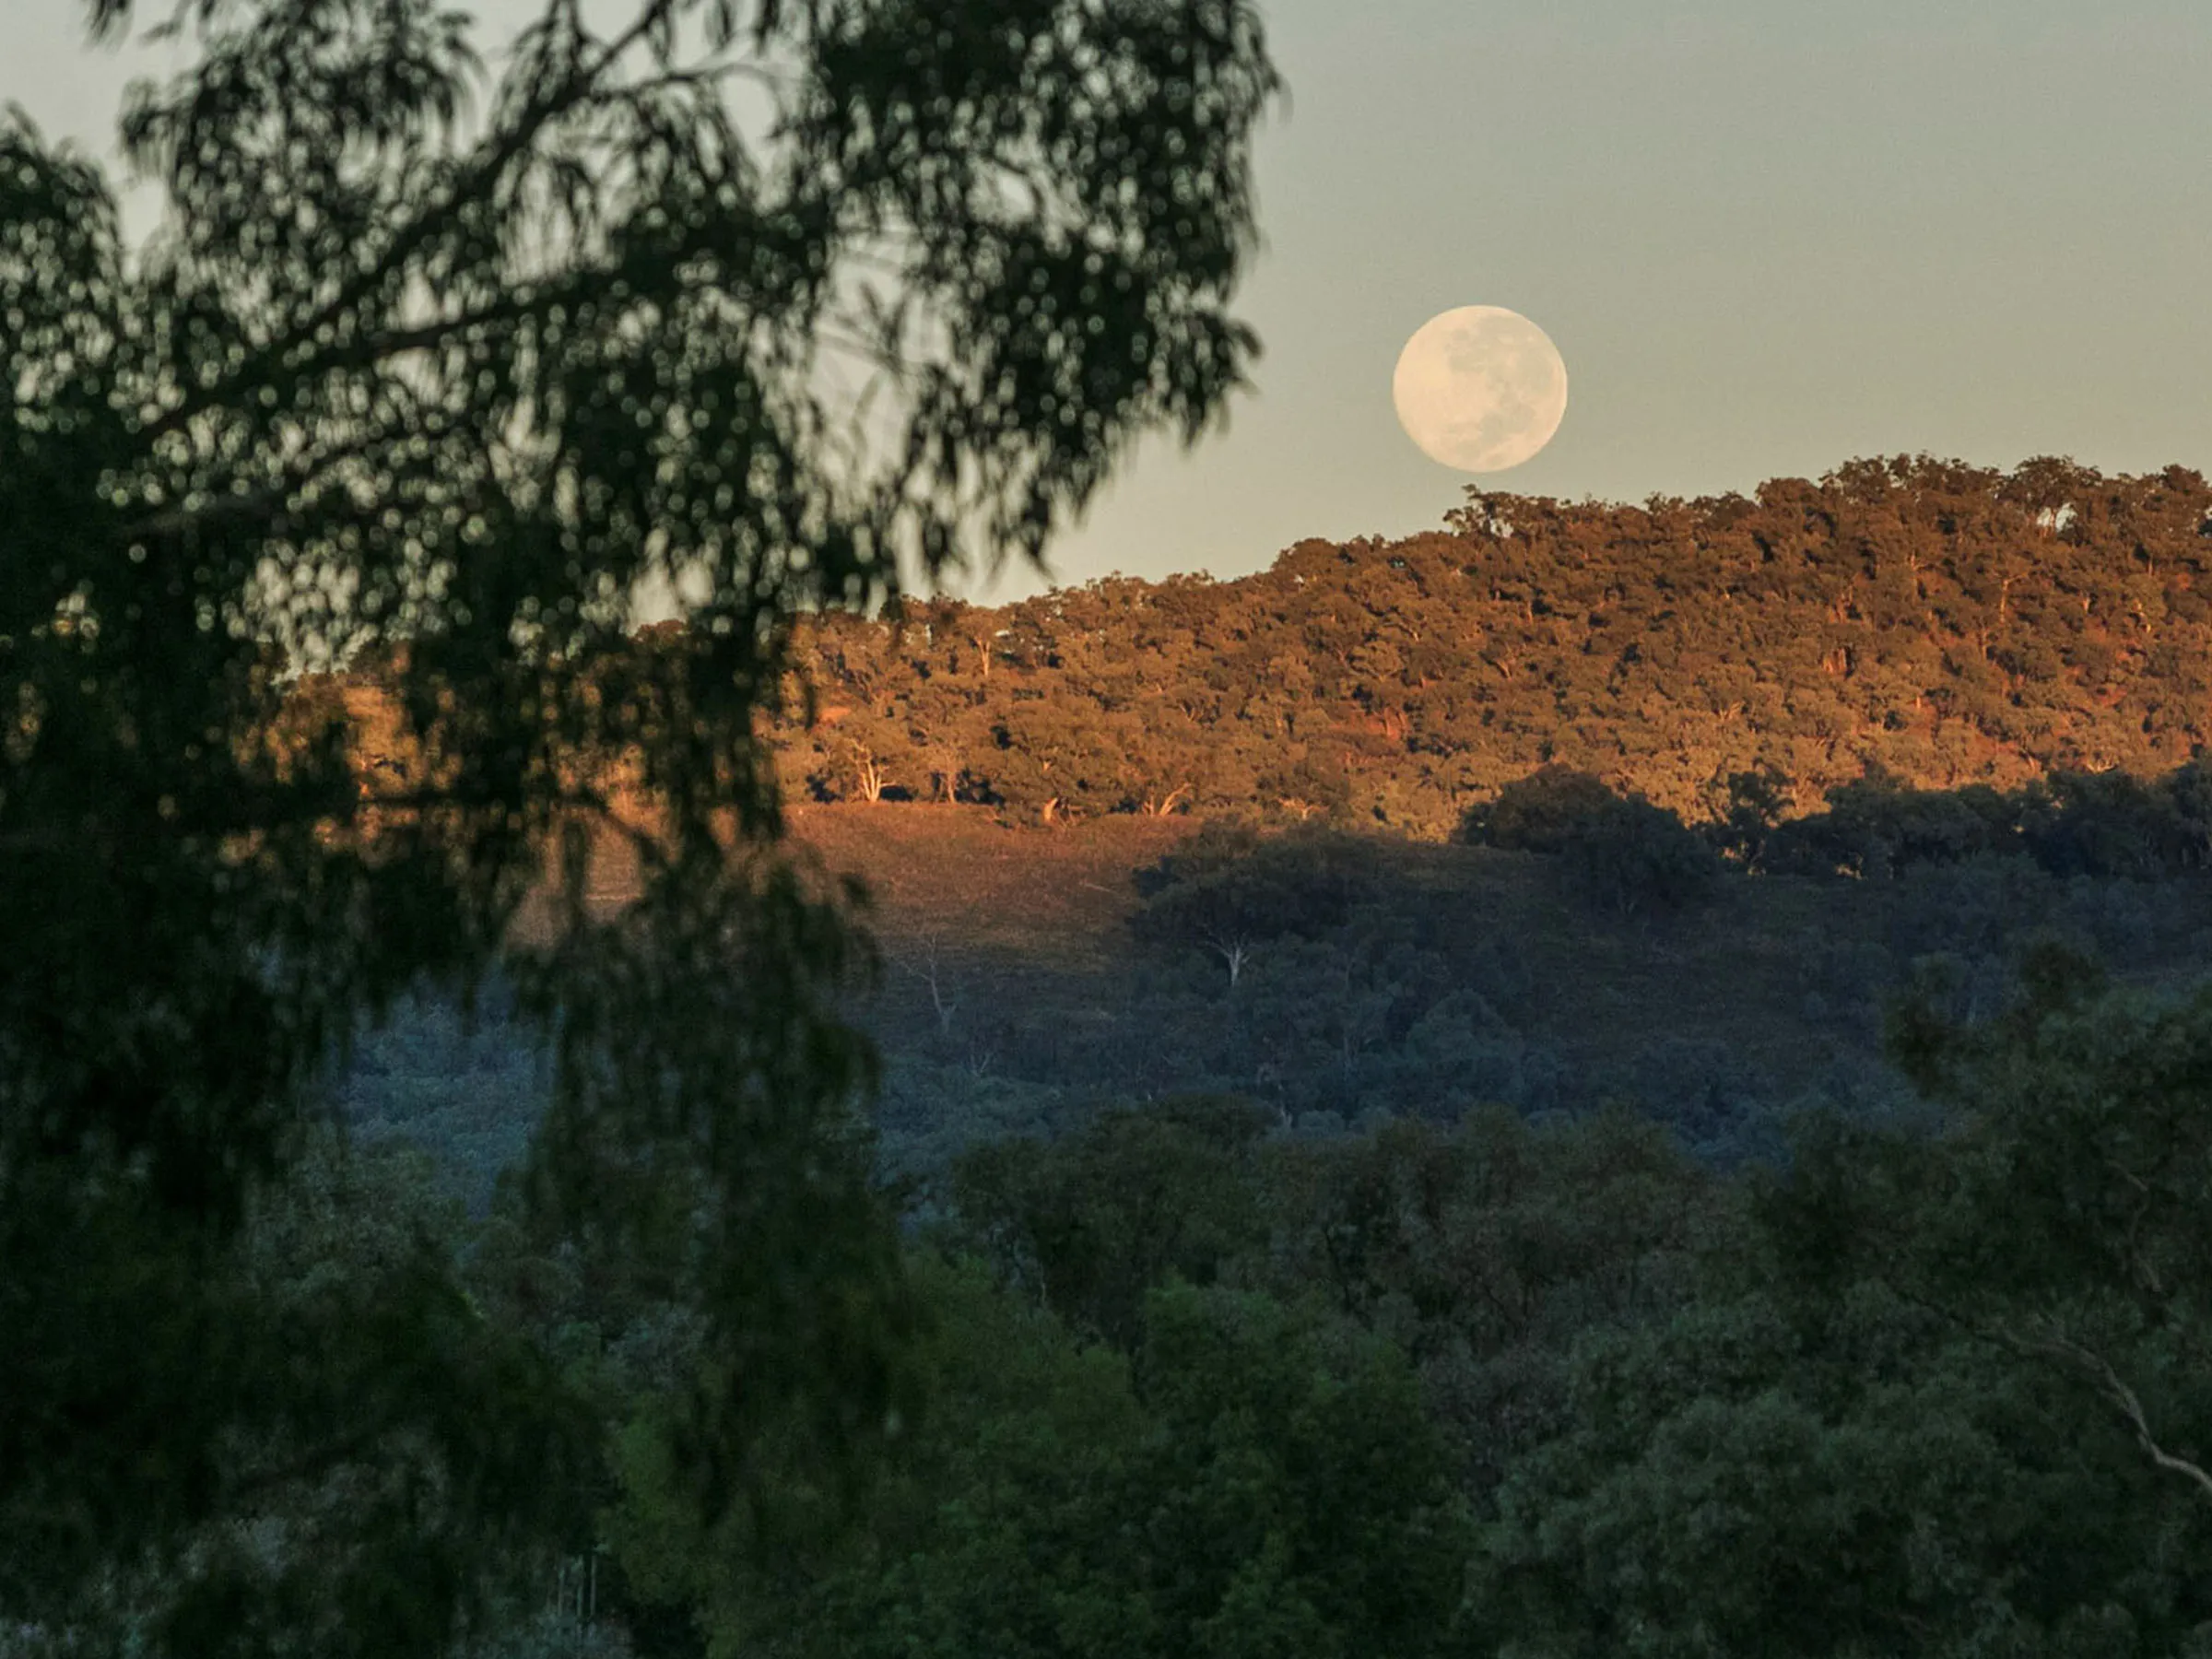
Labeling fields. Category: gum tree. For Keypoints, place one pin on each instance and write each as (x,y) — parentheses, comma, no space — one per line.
(754,302)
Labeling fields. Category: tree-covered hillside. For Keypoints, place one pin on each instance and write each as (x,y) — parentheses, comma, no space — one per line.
(1947,623)
(1729,1192)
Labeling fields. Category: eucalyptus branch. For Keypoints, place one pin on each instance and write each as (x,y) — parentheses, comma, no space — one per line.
(257,365)
(326,404)
(267,505)
(2101,1374)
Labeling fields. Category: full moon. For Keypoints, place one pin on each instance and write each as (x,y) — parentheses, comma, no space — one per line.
(1480,388)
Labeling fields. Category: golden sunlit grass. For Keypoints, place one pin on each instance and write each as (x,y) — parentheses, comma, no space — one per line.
(956,872)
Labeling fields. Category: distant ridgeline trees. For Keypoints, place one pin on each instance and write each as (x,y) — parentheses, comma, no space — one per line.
(1943,624)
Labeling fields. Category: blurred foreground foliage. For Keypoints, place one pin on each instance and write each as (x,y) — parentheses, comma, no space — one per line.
(439,372)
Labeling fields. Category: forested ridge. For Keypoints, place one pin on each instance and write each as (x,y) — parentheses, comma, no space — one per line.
(1945,623)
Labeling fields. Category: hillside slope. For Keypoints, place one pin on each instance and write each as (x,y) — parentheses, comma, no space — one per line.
(1026,979)
(1947,623)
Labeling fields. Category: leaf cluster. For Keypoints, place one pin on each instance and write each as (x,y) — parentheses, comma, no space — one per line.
(429,374)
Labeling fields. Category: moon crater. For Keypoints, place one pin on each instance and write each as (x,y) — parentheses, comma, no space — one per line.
(1480,388)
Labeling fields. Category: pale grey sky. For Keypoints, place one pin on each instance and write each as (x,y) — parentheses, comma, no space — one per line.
(1767,236)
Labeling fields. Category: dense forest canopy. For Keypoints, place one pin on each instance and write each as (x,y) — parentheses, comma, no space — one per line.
(1945,624)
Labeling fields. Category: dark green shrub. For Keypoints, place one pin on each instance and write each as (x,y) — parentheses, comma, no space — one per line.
(1625,853)
(1540,813)
(1874,827)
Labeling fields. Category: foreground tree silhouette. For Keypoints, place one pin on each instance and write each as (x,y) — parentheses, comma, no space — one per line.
(748,300)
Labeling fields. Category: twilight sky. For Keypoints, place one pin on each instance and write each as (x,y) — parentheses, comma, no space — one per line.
(1765,235)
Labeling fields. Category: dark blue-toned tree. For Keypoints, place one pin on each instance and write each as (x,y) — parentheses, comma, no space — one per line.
(448,369)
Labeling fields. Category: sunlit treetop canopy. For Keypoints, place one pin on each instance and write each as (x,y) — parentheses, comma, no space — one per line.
(437,356)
